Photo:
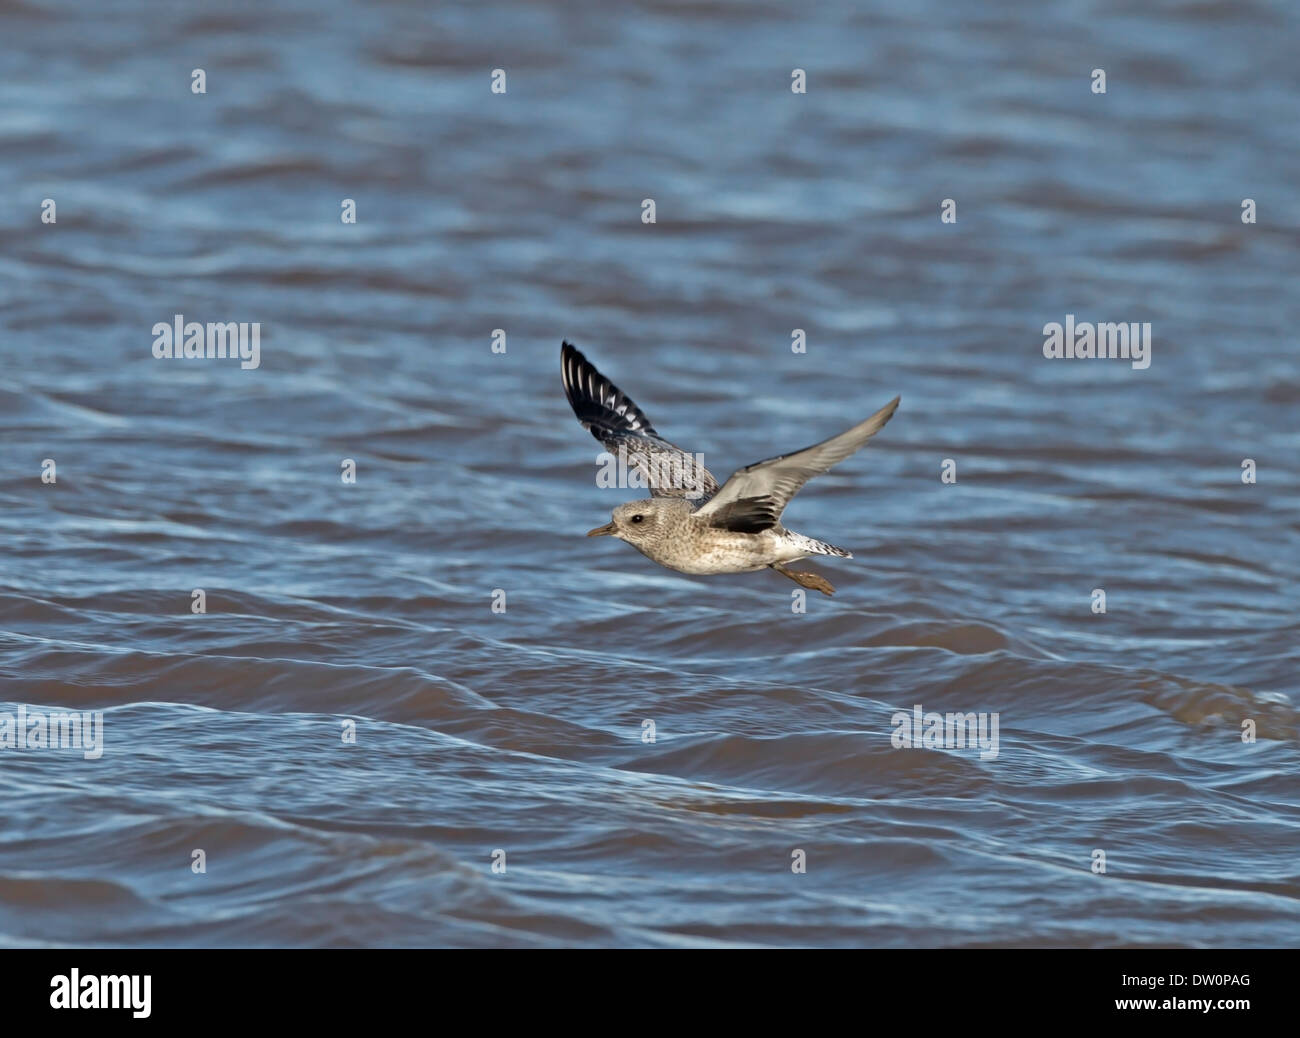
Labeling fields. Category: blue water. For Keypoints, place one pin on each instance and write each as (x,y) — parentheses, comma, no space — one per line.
(522,732)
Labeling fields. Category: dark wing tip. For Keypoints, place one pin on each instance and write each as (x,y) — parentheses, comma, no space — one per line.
(599,404)
(570,359)
(574,366)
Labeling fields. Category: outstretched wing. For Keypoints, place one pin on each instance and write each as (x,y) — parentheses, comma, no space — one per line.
(755,496)
(624,430)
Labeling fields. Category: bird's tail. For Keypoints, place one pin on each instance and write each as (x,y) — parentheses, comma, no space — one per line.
(815,547)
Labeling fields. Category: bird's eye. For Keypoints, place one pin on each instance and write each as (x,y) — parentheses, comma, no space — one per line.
(637,518)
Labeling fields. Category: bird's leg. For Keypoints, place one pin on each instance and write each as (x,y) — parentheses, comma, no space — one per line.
(811,580)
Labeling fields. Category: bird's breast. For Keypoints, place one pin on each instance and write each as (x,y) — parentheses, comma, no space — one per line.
(699,549)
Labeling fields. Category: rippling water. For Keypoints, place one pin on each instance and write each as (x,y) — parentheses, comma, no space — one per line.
(522,731)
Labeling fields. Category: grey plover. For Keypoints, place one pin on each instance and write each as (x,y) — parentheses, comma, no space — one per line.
(690,523)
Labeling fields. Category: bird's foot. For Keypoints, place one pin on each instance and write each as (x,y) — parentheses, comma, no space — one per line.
(810,580)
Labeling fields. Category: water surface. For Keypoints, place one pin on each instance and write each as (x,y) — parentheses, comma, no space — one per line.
(522,731)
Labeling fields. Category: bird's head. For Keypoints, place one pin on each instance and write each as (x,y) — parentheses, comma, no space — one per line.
(641,523)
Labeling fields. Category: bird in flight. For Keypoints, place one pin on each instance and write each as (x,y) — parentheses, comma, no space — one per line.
(691,524)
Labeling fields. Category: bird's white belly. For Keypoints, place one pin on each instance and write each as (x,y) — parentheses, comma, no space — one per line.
(717,563)
(729,553)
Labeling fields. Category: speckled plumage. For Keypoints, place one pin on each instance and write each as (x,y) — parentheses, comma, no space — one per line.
(691,523)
